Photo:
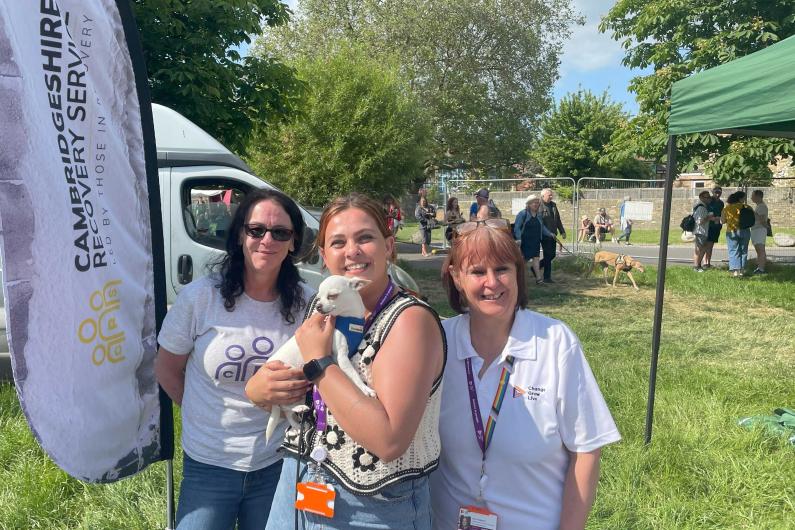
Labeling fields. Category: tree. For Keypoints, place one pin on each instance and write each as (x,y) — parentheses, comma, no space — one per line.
(359,129)
(574,136)
(484,69)
(194,66)
(677,39)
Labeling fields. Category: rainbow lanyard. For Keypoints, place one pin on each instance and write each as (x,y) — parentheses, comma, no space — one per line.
(484,436)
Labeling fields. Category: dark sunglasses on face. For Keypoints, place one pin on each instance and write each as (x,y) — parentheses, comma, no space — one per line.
(279,233)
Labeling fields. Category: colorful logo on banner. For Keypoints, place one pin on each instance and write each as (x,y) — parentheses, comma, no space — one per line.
(102,328)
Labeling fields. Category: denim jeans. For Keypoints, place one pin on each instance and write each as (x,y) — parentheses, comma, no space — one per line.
(404,506)
(737,243)
(215,498)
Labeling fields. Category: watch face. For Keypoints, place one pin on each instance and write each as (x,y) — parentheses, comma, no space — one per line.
(312,370)
(315,368)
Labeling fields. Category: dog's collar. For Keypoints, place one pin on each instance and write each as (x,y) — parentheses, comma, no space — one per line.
(624,260)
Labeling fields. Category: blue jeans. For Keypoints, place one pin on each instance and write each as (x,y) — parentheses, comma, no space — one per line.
(404,506)
(216,498)
(737,243)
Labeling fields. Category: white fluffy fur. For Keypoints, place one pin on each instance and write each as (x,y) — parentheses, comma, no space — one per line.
(338,296)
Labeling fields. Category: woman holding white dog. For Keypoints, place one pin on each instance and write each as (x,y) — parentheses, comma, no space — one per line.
(371,455)
(522,420)
(221,328)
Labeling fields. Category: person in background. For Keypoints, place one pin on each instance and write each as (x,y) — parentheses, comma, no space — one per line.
(536,464)
(703,217)
(586,230)
(604,225)
(736,238)
(425,214)
(376,452)
(529,230)
(625,223)
(551,218)
(759,230)
(452,217)
(480,208)
(394,217)
(221,328)
(716,208)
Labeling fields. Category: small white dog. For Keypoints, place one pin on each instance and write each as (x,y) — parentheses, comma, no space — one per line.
(338,296)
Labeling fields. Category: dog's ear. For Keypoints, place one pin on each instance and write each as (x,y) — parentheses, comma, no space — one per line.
(357,283)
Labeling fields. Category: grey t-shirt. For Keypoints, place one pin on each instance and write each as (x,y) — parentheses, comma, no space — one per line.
(761,216)
(220,426)
(699,214)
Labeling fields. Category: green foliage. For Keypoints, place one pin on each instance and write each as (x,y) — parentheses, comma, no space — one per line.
(195,68)
(676,39)
(574,137)
(359,129)
(745,163)
(484,69)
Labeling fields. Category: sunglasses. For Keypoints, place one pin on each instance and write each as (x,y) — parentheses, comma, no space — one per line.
(279,233)
(471,226)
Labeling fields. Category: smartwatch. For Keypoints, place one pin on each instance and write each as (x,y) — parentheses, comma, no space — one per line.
(315,368)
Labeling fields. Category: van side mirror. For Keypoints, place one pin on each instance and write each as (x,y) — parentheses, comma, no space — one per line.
(308,253)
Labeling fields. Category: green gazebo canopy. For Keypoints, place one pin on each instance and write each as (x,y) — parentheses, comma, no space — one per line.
(753,95)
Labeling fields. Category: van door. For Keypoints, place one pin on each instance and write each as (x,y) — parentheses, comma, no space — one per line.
(203,201)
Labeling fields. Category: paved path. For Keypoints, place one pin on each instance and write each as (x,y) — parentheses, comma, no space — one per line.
(677,254)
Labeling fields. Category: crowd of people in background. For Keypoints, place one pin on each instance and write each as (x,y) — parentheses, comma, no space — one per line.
(743,223)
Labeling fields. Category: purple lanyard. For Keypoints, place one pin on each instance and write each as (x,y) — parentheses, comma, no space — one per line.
(317,400)
(484,436)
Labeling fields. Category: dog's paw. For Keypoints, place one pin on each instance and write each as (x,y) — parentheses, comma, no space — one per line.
(300,409)
(369,392)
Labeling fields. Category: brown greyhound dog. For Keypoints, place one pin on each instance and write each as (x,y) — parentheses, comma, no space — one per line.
(619,262)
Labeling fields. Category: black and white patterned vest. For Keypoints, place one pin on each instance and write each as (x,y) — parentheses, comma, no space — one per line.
(356,469)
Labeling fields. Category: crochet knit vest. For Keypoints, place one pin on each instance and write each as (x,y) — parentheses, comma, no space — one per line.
(356,469)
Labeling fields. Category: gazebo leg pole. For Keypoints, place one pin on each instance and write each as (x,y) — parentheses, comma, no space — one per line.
(661,265)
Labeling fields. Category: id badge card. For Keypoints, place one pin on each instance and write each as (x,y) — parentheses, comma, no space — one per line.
(317,498)
(476,518)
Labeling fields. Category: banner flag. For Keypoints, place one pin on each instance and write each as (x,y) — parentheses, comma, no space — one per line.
(79,273)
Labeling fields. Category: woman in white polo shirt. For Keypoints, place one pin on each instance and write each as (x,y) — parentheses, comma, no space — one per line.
(522,419)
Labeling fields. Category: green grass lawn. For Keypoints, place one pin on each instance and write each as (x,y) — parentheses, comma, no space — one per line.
(642,236)
(728,350)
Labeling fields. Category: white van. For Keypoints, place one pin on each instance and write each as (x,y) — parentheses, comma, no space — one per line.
(201,183)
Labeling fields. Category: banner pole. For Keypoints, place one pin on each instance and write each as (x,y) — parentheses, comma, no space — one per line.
(660,295)
(170,495)
(156,225)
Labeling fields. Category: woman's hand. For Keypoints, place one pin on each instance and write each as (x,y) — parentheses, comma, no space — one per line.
(314,336)
(276,383)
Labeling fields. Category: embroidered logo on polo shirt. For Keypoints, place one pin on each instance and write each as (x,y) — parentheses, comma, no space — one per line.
(531,393)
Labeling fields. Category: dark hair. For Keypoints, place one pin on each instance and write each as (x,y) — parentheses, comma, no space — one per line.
(704,193)
(494,246)
(450,203)
(735,197)
(760,193)
(231,267)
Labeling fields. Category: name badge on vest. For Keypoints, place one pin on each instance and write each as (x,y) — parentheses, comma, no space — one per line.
(476,518)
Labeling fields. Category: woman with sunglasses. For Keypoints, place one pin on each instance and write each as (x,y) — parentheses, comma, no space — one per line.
(219,331)
(522,419)
(372,455)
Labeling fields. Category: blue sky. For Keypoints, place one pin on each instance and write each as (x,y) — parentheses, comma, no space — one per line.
(591,60)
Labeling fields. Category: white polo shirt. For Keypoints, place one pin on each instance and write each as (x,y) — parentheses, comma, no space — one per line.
(552,404)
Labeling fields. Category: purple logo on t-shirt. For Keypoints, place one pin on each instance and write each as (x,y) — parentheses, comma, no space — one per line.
(240,365)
